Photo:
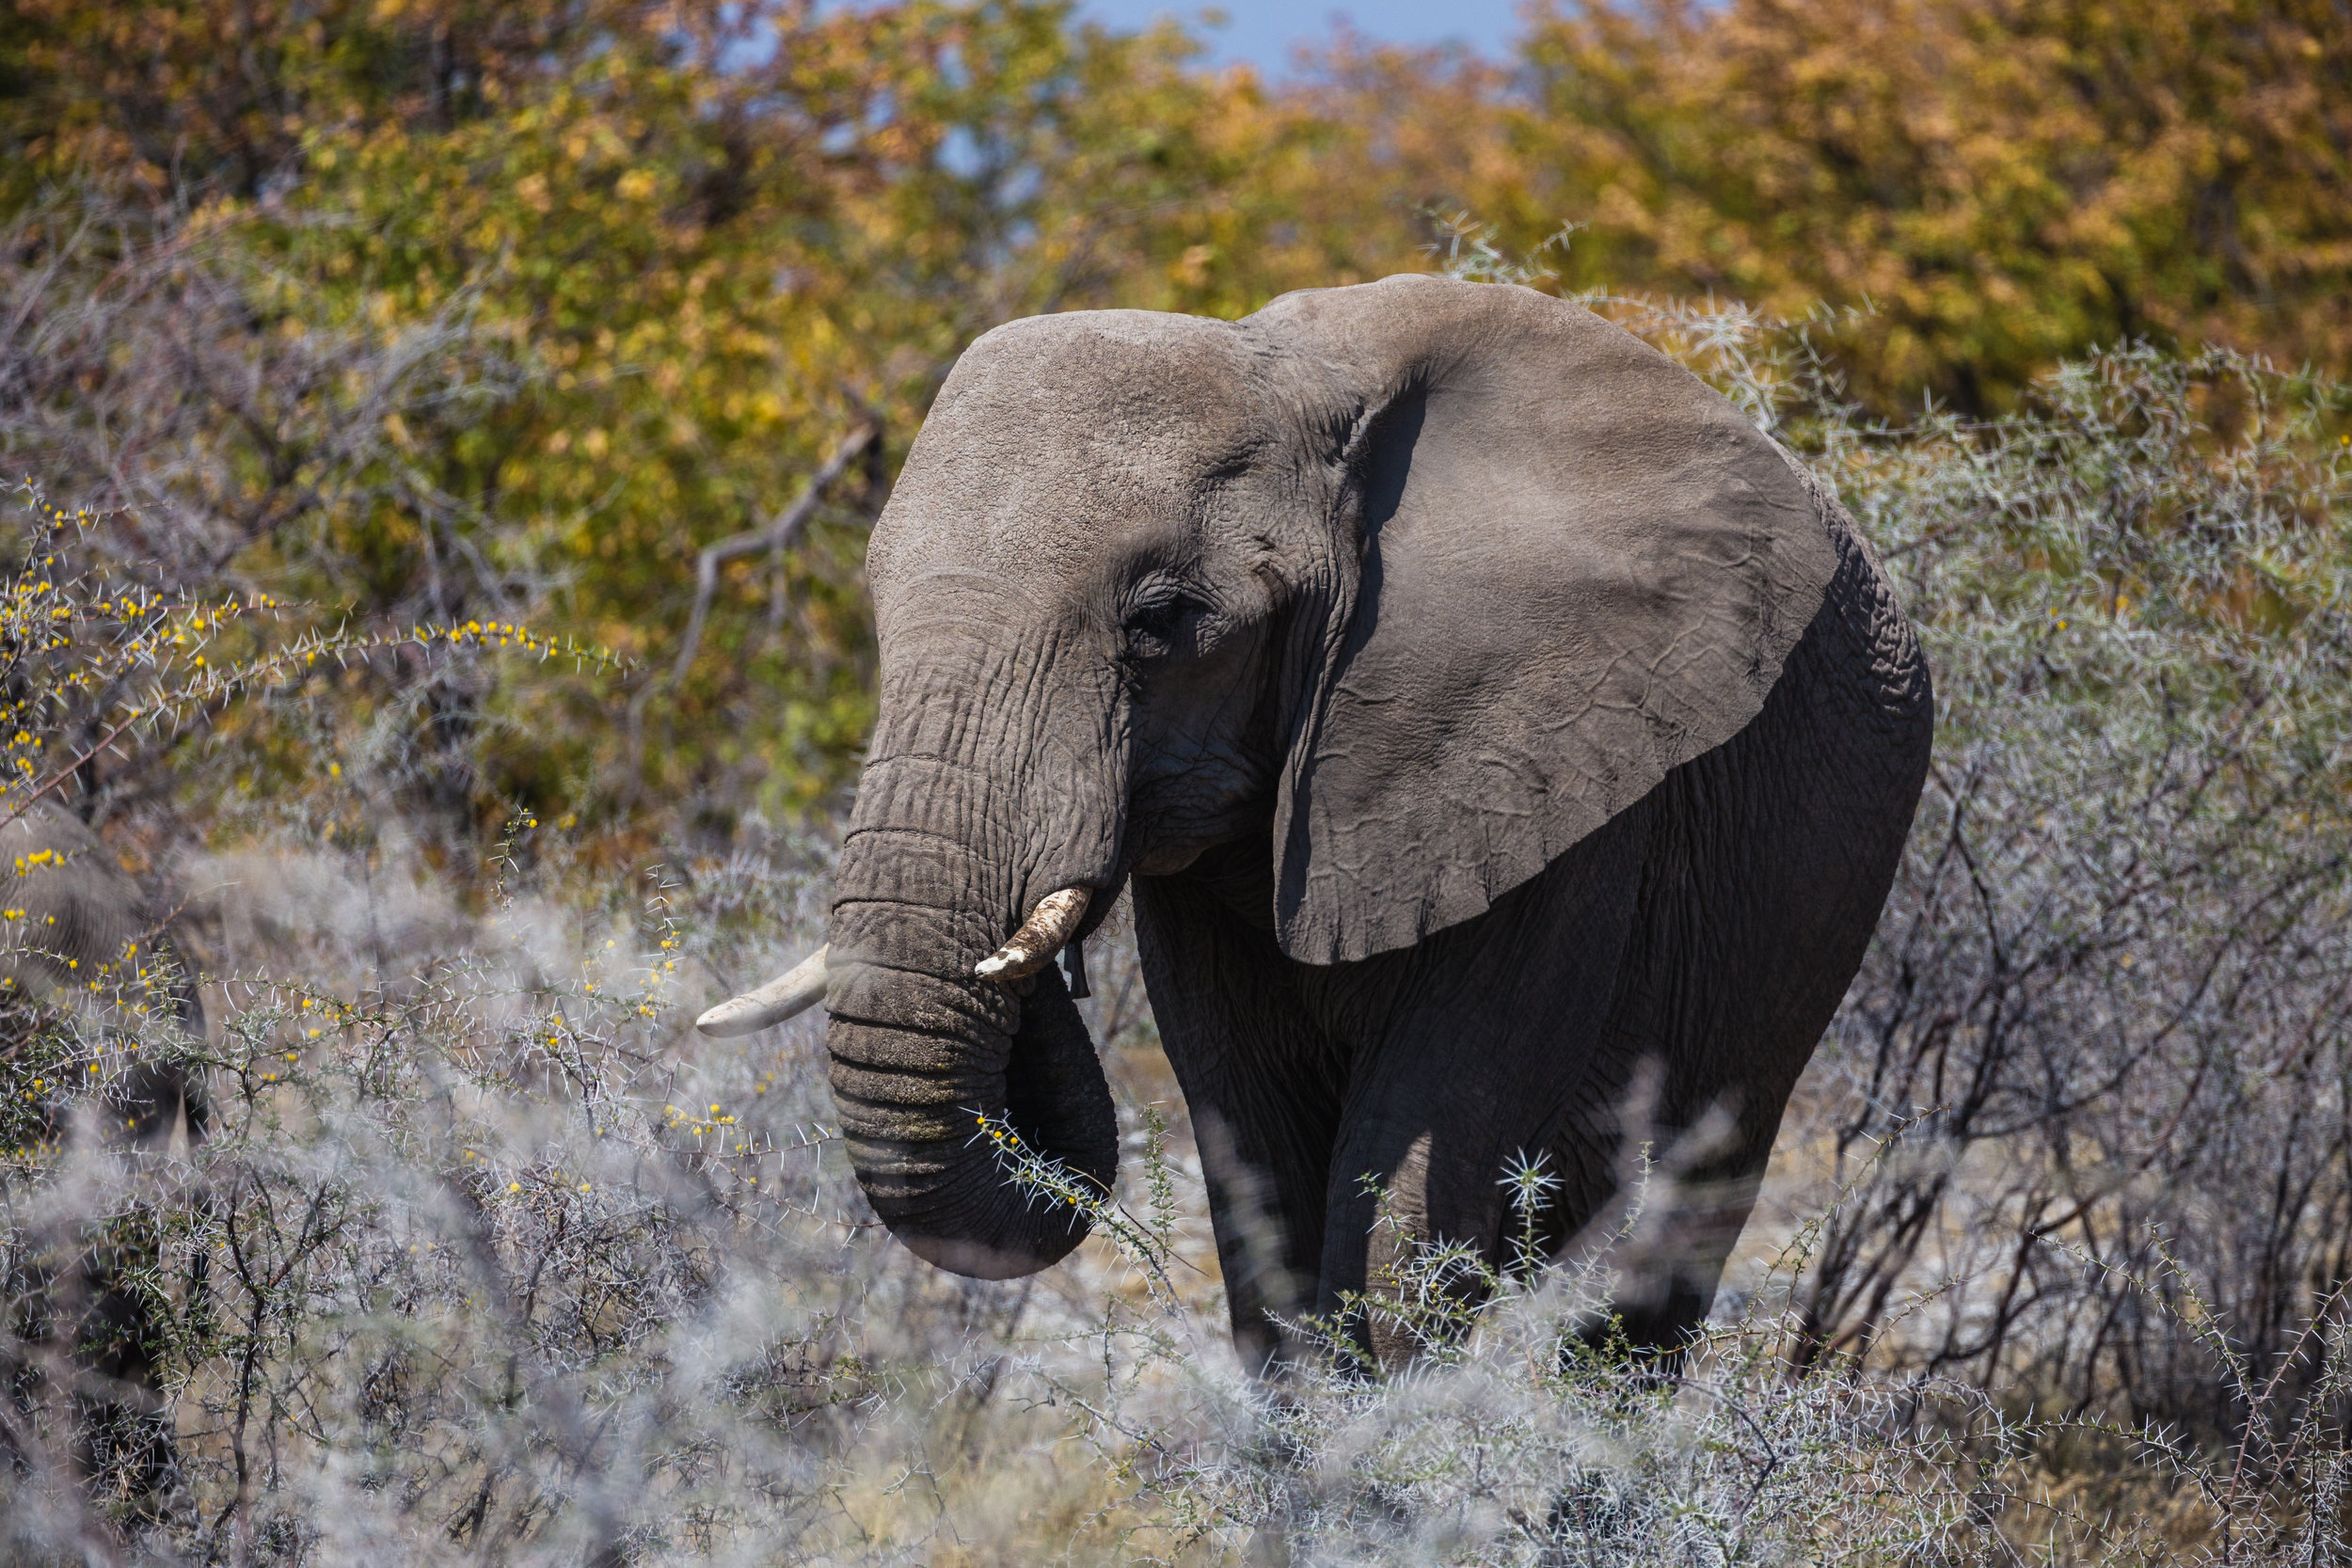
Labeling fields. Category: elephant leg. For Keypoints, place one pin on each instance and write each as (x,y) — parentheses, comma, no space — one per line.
(1486,1043)
(1261,1080)
(1772,860)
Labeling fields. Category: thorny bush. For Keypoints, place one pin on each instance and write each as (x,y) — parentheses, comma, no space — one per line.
(2114,983)
(485,1253)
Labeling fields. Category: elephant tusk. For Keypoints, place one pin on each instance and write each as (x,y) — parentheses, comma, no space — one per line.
(788,996)
(1047,931)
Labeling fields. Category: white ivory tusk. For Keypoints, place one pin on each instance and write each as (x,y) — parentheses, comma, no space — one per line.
(788,996)
(1046,931)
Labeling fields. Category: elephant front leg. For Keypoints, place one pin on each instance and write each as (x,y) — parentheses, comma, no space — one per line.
(1392,1284)
(1485,1045)
(1262,1083)
(1418,1211)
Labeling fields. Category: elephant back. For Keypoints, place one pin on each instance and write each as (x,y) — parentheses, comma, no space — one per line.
(67,908)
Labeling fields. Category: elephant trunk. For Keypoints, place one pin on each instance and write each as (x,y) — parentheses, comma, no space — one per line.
(934,876)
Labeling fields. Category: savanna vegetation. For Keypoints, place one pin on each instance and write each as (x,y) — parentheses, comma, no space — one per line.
(449,432)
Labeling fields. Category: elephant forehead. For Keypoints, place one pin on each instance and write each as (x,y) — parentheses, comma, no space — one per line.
(1056,433)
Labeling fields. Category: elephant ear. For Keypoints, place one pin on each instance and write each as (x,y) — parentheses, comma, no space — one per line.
(1579,568)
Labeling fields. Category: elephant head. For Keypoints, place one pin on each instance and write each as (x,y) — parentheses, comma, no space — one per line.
(1416,583)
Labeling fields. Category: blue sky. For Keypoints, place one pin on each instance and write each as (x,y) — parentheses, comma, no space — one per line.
(1262,33)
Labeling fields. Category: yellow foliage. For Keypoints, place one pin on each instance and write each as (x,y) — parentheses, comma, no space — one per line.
(714,238)
(2001,183)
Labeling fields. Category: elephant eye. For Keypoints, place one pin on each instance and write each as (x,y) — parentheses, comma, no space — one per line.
(1152,628)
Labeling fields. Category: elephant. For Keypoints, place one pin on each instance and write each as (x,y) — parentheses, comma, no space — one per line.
(1489,720)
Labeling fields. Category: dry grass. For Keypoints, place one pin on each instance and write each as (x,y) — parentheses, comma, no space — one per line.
(503,1263)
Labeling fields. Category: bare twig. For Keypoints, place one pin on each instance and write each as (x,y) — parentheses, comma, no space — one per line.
(775,535)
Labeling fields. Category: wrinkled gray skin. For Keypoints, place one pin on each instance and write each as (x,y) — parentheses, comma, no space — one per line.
(1483,709)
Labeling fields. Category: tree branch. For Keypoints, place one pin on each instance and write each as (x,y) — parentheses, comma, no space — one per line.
(778,534)
(775,535)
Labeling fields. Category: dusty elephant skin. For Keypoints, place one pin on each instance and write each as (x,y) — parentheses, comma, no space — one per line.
(1483,708)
